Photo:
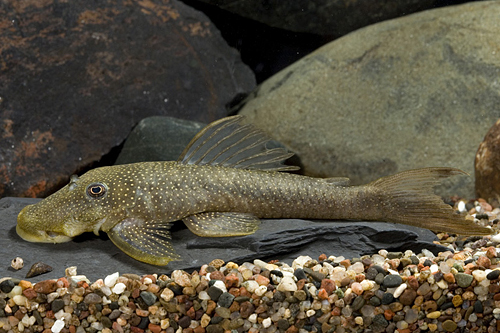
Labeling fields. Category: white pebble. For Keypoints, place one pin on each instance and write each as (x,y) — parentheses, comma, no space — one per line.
(428,254)
(70,271)
(17,263)
(20,300)
(167,294)
(300,261)
(287,284)
(252,318)
(58,326)
(479,275)
(260,263)
(266,322)
(204,295)
(110,280)
(219,284)
(461,206)
(496,239)
(357,267)
(310,313)
(260,291)
(399,290)
(106,290)
(119,288)
(367,285)
(250,285)
(434,268)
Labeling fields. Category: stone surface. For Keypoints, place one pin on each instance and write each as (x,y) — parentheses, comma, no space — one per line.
(487,165)
(412,92)
(323,17)
(158,139)
(285,240)
(75,77)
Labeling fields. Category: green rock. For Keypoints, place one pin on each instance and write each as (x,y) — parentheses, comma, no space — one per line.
(464,280)
(449,325)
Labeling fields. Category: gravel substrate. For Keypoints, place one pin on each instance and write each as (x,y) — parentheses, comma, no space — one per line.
(456,291)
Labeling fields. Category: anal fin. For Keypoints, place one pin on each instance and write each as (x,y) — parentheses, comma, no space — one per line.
(222,224)
(146,241)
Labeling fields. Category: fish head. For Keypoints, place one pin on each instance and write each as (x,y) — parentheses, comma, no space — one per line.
(83,205)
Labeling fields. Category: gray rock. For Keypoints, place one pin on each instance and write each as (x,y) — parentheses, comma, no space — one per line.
(158,139)
(417,91)
(323,17)
(97,257)
(77,76)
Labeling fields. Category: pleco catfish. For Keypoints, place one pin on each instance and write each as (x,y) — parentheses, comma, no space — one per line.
(223,183)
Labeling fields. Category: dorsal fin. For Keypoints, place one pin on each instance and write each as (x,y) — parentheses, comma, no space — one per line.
(226,142)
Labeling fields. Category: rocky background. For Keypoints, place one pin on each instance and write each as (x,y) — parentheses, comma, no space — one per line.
(360,89)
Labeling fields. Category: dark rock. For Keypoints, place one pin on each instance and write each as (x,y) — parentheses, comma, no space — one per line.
(392,280)
(57,305)
(6,286)
(493,275)
(284,240)
(148,298)
(387,298)
(487,165)
(358,303)
(38,268)
(158,139)
(300,105)
(225,300)
(77,76)
(323,17)
(214,293)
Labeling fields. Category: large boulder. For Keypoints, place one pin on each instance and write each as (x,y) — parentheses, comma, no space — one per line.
(417,91)
(76,76)
(332,18)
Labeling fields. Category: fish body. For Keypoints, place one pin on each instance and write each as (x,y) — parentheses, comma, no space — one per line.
(224,183)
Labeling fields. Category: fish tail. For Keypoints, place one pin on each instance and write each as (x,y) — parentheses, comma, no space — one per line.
(408,197)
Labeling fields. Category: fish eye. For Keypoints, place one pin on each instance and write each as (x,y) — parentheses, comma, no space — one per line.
(96,190)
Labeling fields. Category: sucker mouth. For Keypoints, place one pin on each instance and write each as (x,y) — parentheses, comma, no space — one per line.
(39,236)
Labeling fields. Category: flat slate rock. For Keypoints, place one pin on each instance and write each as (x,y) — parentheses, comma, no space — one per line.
(97,257)
(417,91)
(323,17)
(76,76)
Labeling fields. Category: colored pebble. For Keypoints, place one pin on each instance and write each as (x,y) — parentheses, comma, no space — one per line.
(388,291)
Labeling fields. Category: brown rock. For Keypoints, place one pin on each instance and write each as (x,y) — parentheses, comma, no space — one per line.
(77,76)
(45,287)
(487,165)
(408,296)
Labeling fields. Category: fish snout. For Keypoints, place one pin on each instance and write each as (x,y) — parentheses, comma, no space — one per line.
(27,229)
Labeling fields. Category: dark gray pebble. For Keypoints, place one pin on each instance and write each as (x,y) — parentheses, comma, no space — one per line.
(478,307)
(214,293)
(57,305)
(106,322)
(394,255)
(6,286)
(144,323)
(371,273)
(493,275)
(379,320)
(300,274)
(375,301)
(357,303)
(225,300)
(388,298)
(184,322)
(148,297)
(392,280)
(214,328)
(283,324)
(379,279)
(115,314)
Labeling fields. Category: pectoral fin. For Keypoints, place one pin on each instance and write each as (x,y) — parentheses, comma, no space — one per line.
(146,241)
(215,224)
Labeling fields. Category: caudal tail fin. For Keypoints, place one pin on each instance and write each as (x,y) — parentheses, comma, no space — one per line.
(408,197)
